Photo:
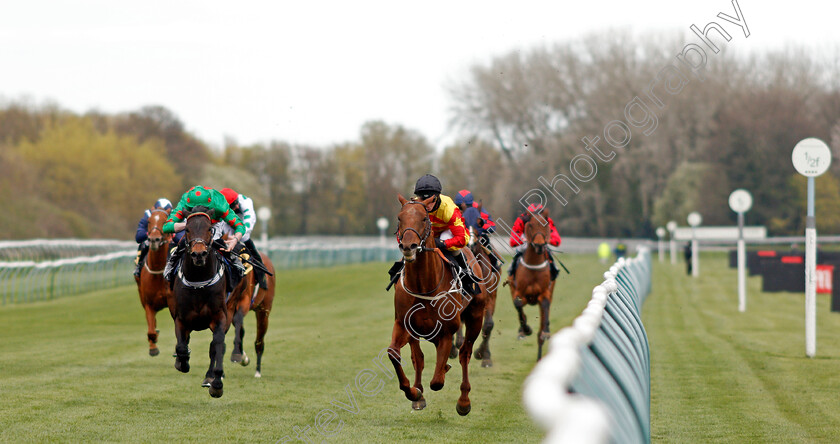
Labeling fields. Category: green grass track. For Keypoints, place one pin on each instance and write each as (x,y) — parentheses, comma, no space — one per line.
(720,376)
(77,369)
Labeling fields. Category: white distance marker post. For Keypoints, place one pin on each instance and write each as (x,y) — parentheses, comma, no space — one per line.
(672,228)
(660,246)
(740,201)
(811,157)
(264,214)
(694,219)
(382,224)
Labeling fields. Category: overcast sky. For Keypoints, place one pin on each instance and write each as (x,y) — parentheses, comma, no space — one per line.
(314,71)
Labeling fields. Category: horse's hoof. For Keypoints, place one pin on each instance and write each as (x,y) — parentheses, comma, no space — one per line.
(216,392)
(486,363)
(245,360)
(235,357)
(479,354)
(183,367)
(525,331)
(463,411)
(207,381)
(420,404)
(154,351)
(436,386)
(258,374)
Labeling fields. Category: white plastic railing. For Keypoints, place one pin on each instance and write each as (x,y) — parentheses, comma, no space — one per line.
(26,281)
(49,249)
(36,279)
(593,385)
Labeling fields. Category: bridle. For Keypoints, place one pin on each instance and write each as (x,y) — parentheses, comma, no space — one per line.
(427,229)
(192,242)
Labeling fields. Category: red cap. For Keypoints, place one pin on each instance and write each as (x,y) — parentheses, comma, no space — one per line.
(230,195)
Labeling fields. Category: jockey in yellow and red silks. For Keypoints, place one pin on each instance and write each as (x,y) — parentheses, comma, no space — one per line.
(448,224)
(448,227)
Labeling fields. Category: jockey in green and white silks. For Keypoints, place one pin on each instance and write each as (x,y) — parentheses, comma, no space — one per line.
(218,210)
(243,206)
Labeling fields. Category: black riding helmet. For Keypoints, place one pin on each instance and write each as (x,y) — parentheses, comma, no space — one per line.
(428,186)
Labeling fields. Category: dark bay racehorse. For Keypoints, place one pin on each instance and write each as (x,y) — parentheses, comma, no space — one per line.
(199,292)
(155,294)
(532,282)
(492,281)
(249,296)
(429,304)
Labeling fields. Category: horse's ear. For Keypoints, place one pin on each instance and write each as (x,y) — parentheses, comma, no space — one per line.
(402,199)
(526,217)
(544,212)
(429,203)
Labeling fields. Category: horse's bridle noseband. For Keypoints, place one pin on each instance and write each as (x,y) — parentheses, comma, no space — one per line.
(427,228)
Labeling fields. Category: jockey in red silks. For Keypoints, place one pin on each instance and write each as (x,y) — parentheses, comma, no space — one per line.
(518,240)
(448,227)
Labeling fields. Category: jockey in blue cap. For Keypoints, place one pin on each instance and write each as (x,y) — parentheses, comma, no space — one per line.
(476,218)
(142,235)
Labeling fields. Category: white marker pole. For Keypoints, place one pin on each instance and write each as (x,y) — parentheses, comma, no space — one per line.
(660,246)
(742,265)
(672,228)
(694,219)
(264,214)
(811,157)
(810,275)
(740,201)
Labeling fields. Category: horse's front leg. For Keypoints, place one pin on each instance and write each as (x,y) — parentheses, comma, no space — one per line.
(237,355)
(182,347)
(399,337)
(473,316)
(545,332)
(151,332)
(217,354)
(443,346)
(259,342)
(483,351)
(418,360)
(524,329)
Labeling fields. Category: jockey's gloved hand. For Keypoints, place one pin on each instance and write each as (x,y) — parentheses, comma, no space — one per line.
(440,244)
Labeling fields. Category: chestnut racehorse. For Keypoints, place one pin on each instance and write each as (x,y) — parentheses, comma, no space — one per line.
(532,282)
(155,294)
(199,292)
(249,296)
(429,304)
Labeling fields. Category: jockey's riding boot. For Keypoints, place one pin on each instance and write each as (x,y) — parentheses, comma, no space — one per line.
(513,263)
(468,279)
(142,251)
(394,272)
(259,275)
(554,270)
(174,257)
